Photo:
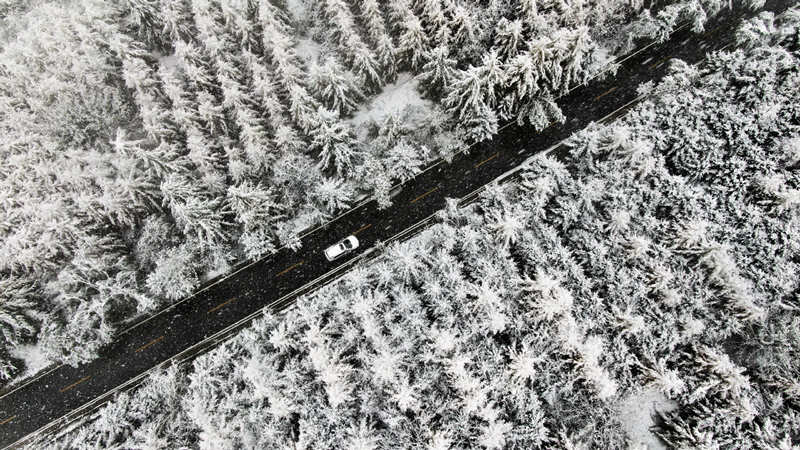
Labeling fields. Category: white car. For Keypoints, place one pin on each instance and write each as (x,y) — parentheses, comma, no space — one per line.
(347,244)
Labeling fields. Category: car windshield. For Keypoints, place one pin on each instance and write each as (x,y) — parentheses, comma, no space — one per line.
(347,245)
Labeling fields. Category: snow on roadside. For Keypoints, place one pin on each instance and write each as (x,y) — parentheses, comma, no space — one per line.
(34,357)
(215,272)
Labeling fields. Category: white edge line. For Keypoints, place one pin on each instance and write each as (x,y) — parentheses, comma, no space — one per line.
(524,163)
(32,380)
(618,109)
(78,409)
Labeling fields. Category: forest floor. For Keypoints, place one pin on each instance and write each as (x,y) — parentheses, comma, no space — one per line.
(636,414)
(403,93)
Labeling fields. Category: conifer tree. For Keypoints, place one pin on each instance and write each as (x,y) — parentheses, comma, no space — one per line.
(334,88)
(335,143)
(375,24)
(412,41)
(345,32)
(438,72)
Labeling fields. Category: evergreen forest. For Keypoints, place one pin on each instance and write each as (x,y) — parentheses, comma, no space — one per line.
(657,258)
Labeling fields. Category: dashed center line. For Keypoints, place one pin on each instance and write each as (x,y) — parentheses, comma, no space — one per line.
(7,420)
(220,305)
(288,269)
(425,195)
(362,229)
(65,389)
(149,344)
(606,93)
(487,160)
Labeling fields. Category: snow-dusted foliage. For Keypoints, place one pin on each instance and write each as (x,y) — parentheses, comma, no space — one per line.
(660,253)
(211,131)
(146,143)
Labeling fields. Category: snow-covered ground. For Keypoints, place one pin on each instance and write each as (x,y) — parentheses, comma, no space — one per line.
(34,358)
(170,62)
(394,97)
(298,9)
(636,414)
(213,273)
(308,50)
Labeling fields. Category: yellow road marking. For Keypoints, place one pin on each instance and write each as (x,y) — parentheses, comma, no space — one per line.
(362,229)
(149,344)
(62,390)
(220,305)
(7,420)
(487,160)
(288,269)
(425,195)
(606,93)
(659,62)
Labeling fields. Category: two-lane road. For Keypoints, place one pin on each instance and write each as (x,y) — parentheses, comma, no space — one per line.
(195,324)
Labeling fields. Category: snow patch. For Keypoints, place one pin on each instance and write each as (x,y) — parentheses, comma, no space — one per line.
(215,272)
(636,412)
(169,62)
(308,50)
(34,357)
(394,97)
(298,9)
(305,221)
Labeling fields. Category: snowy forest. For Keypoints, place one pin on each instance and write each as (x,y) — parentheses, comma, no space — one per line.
(148,145)
(658,259)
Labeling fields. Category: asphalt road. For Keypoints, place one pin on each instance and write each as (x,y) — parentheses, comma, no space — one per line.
(56,398)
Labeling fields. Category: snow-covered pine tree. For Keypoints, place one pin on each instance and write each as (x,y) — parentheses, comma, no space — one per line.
(345,32)
(335,143)
(385,49)
(412,41)
(198,214)
(509,38)
(176,16)
(264,85)
(334,87)
(436,23)
(144,19)
(176,273)
(278,48)
(438,72)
